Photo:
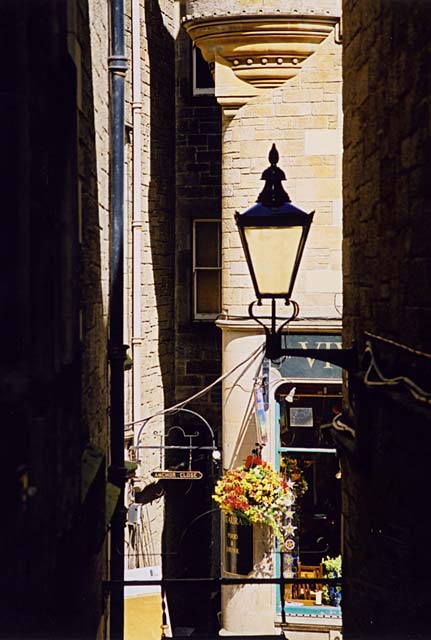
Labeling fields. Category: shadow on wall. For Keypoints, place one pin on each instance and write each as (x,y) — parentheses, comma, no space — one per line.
(161,209)
(53,394)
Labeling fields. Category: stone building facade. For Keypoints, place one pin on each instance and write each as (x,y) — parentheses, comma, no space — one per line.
(194,154)
(273,86)
(173,179)
(223,137)
(386,262)
(149,249)
(55,392)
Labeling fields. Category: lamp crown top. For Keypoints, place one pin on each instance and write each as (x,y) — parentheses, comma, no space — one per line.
(273,195)
(273,156)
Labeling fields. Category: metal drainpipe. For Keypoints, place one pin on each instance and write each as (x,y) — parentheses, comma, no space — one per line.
(117,64)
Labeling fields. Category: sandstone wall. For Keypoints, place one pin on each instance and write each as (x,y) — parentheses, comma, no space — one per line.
(304,118)
(386,262)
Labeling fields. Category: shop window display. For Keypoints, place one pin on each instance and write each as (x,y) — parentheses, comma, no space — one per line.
(307,456)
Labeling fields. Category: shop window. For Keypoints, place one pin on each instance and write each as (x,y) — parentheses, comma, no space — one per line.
(206,269)
(203,81)
(307,456)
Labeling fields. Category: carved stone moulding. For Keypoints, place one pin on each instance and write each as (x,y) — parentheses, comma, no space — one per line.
(252,53)
(201,8)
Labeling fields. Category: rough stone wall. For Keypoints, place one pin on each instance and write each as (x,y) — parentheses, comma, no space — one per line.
(92,21)
(93,169)
(303,117)
(149,247)
(386,263)
(54,373)
(386,188)
(157,206)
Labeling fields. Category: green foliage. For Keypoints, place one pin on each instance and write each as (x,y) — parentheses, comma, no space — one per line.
(332,567)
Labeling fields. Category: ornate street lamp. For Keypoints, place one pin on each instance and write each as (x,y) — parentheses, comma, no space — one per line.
(273,234)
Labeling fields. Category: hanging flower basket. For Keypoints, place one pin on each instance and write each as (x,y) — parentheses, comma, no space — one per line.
(256,493)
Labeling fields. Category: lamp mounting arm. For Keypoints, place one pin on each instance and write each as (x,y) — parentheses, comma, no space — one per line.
(346,359)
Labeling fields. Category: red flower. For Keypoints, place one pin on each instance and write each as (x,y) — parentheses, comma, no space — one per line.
(252,461)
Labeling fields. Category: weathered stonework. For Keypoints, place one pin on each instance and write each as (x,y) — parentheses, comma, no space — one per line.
(386,259)
(149,249)
(54,371)
(303,118)
(256,48)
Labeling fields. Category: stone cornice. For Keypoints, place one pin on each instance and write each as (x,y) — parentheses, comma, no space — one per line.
(249,54)
(311,325)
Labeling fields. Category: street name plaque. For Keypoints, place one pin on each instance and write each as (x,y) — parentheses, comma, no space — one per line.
(169,474)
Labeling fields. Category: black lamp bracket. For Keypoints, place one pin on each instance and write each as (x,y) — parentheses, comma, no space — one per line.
(346,359)
(272,329)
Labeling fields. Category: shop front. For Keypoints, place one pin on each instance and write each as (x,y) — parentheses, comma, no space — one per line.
(290,429)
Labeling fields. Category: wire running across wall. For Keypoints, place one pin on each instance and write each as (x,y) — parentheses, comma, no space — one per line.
(382,380)
(249,360)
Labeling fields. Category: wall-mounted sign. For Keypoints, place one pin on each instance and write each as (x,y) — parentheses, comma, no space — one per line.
(301,417)
(238,546)
(309,367)
(169,474)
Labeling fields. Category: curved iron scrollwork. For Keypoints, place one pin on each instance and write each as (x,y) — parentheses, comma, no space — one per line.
(272,332)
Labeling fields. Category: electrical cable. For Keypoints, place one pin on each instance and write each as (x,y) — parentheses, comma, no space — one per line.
(252,356)
(339,425)
(417,392)
(398,344)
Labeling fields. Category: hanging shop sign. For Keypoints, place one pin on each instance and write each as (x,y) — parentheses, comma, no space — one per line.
(308,367)
(169,474)
(238,546)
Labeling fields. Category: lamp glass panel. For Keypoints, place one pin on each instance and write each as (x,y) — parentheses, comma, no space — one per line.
(273,254)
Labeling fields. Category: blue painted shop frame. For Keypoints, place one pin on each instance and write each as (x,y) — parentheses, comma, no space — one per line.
(293,369)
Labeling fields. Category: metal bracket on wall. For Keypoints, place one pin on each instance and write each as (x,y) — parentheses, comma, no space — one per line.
(190,447)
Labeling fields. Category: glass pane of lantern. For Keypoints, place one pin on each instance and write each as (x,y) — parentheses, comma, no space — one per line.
(273,253)
(207,291)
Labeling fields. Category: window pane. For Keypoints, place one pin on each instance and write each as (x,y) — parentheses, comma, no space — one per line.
(311,407)
(207,244)
(204,79)
(207,292)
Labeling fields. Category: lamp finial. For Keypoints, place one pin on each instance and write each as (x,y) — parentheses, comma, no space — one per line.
(273,156)
(273,195)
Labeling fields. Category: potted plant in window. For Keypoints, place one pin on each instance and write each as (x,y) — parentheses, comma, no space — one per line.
(332,569)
